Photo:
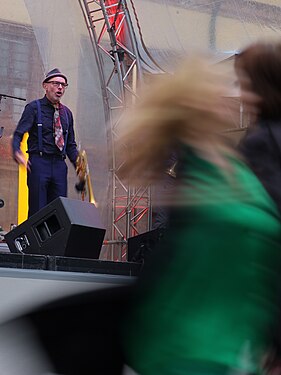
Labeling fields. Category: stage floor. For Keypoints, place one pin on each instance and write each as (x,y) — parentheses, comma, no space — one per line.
(28,281)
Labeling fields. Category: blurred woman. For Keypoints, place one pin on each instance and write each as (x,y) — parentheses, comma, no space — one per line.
(206,302)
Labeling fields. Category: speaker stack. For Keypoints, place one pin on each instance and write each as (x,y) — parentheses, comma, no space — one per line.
(65,227)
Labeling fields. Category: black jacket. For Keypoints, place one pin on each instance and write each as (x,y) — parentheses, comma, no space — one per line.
(261,148)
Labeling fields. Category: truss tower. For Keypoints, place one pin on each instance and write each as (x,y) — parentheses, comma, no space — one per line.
(114,43)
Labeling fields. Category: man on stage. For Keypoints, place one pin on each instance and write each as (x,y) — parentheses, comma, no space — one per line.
(51,138)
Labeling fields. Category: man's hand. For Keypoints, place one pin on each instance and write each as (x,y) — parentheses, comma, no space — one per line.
(20,159)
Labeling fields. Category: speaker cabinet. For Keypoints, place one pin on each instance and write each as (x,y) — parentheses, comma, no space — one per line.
(141,246)
(65,227)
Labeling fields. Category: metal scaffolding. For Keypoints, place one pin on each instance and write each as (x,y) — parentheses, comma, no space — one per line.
(114,43)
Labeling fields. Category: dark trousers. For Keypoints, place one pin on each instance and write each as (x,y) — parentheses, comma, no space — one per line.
(46,181)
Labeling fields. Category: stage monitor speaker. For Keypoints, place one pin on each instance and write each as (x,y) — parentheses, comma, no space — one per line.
(65,227)
(141,246)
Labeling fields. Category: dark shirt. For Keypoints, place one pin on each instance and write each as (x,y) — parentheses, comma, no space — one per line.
(261,148)
(28,123)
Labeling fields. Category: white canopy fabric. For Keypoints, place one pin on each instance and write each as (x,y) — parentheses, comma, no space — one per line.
(168,30)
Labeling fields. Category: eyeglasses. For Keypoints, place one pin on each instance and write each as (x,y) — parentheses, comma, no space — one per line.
(57,84)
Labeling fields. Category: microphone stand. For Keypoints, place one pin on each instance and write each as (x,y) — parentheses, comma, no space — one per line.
(10,96)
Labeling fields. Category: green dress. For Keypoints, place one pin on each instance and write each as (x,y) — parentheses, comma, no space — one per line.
(207,301)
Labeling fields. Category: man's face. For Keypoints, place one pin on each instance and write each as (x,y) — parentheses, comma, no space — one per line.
(54,89)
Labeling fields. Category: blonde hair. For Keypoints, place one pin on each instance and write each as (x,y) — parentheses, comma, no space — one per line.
(187,107)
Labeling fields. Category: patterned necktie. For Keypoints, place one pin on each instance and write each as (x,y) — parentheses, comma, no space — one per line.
(58,132)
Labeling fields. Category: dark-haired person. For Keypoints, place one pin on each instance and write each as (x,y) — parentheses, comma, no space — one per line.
(258,69)
(49,125)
